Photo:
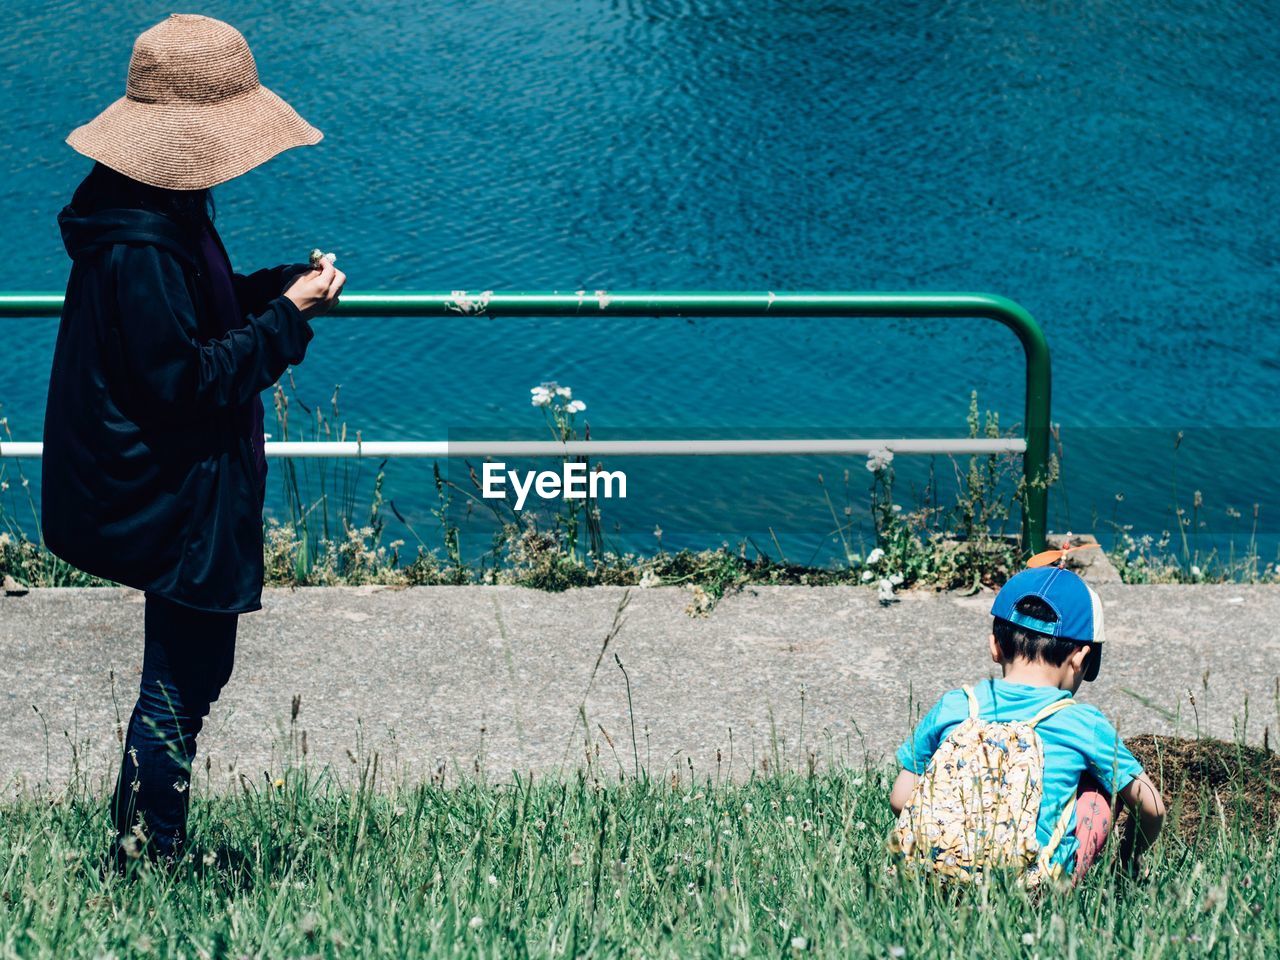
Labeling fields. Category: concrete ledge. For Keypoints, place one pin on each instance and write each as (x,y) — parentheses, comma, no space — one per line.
(497,678)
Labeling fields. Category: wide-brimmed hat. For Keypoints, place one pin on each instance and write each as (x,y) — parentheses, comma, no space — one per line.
(194,114)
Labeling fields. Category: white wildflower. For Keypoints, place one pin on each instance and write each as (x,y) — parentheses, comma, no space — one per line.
(874,557)
(575,406)
(877,460)
(896,579)
(867,576)
(799,943)
(476,922)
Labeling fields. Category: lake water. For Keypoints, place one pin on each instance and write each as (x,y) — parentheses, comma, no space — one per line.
(1110,166)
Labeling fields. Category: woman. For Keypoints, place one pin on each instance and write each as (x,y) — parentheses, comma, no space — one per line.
(154,469)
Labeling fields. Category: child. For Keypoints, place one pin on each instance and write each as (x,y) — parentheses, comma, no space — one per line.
(1011,771)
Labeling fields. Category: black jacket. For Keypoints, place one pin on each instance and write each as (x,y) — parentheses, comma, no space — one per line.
(148,476)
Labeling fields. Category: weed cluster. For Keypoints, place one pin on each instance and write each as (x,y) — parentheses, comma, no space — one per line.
(965,538)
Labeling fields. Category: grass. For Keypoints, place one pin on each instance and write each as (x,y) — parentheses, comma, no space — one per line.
(299,864)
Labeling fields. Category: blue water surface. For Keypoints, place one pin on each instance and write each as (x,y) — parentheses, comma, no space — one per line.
(1110,166)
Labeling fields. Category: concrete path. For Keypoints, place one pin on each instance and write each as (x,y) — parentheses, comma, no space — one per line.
(501,678)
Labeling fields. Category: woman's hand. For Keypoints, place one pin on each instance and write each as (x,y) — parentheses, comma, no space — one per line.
(316,291)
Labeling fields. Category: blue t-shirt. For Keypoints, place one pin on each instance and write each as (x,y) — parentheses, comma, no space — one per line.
(1076,739)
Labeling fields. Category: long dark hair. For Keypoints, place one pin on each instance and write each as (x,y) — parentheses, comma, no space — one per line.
(105,189)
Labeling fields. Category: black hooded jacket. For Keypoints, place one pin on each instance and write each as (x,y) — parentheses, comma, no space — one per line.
(149,476)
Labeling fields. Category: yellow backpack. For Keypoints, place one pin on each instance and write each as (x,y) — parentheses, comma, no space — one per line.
(976,806)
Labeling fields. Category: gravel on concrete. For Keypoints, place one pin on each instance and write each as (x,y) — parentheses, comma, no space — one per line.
(504,679)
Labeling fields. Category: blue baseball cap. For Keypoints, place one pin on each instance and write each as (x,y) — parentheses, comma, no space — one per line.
(1079,609)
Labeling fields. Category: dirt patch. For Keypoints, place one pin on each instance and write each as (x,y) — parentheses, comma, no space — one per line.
(1211,784)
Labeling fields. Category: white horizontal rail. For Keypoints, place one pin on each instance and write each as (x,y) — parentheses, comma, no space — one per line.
(608,448)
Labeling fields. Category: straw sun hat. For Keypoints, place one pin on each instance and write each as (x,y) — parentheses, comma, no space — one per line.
(194,114)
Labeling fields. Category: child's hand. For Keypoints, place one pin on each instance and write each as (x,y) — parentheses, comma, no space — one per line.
(1133,864)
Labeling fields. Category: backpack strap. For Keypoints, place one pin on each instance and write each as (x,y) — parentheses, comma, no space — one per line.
(973,702)
(1064,820)
(1059,831)
(1050,710)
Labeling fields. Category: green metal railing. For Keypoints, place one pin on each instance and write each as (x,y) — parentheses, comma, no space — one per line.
(600,304)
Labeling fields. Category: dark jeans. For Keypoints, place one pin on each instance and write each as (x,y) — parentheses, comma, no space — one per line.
(186,661)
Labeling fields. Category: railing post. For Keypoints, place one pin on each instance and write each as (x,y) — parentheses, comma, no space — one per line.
(1035,461)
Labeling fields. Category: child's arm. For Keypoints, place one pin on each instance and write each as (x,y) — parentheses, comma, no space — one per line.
(913,756)
(1112,763)
(1147,805)
(902,788)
